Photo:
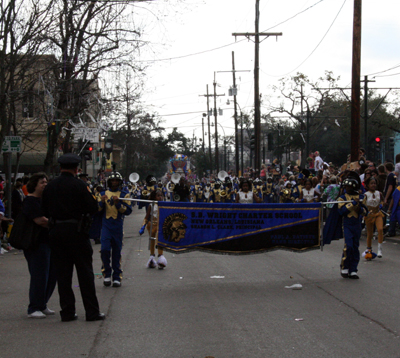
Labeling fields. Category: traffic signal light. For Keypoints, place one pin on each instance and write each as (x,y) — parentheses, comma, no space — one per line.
(108,145)
(378,144)
(252,141)
(391,143)
(87,151)
(270,142)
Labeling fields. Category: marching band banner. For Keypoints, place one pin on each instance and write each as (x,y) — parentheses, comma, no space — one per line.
(238,228)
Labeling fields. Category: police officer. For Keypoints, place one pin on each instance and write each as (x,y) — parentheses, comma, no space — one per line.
(69,204)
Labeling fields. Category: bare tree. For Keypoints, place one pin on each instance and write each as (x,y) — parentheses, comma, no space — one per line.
(87,38)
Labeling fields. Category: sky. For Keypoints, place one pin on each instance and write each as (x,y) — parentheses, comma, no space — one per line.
(192,42)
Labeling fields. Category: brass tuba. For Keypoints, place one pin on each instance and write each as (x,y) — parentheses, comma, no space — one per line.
(222,175)
(175,180)
(134,178)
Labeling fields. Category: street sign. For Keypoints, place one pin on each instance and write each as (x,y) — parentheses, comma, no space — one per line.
(11,144)
(86,134)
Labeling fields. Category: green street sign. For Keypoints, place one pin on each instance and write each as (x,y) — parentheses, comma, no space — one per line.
(11,144)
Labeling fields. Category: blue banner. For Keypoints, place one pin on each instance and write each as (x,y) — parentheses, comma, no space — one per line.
(238,228)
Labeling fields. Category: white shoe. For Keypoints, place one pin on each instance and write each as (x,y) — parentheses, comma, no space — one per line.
(379,252)
(48,312)
(162,262)
(116,283)
(151,263)
(37,314)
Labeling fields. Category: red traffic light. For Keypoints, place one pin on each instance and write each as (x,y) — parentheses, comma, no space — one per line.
(377,139)
(90,149)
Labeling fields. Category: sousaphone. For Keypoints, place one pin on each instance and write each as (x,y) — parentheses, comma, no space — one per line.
(222,175)
(174,180)
(134,178)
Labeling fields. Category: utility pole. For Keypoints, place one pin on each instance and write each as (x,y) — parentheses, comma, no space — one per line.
(209,126)
(202,129)
(234,90)
(355,82)
(366,80)
(216,123)
(257,101)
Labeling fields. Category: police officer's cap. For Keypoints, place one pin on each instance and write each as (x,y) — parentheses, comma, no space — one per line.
(70,160)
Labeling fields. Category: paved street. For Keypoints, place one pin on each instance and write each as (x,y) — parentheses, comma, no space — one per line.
(206,305)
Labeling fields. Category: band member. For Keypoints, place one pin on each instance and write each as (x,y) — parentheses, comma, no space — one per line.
(286,195)
(151,222)
(207,192)
(114,211)
(151,184)
(351,211)
(215,196)
(373,200)
(163,190)
(268,191)
(199,192)
(257,188)
(181,191)
(230,196)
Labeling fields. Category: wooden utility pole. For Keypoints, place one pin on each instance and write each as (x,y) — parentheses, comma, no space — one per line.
(257,101)
(234,90)
(355,82)
(216,123)
(209,127)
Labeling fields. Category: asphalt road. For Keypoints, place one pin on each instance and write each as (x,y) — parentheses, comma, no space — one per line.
(205,305)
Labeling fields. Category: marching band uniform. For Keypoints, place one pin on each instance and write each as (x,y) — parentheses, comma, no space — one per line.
(114,212)
(215,196)
(268,191)
(207,193)
(230,192)
(352,215)
(181,191)
(151,222)
(151,184)
(258,188)
(286,195)
(373,200)
(199,193)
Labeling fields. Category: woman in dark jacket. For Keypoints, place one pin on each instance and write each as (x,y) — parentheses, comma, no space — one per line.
(43,278)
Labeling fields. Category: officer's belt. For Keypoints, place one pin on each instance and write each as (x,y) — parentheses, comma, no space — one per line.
(69,221)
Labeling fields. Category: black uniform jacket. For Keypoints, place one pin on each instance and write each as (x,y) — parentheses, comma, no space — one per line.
(67,197)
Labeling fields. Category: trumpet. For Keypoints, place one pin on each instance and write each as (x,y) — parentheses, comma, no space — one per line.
(286,192)
(146,193)
(223,193)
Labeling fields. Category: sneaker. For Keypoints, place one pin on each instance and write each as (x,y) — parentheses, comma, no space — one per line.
(379,252)
(37,314)
(161,262)
(116,283)
(345,273)
(151,263)
(48,312)
(354,276)
(107,281)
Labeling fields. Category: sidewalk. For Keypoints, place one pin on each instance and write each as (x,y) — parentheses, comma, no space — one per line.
(21,336)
